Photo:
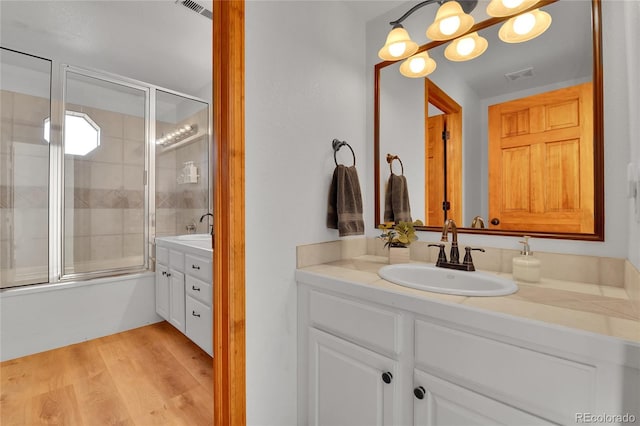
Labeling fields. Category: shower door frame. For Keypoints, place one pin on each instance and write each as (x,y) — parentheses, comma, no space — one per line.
(57,160)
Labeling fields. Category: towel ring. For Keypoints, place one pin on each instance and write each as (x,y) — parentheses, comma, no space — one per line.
(336,147)
(390,159)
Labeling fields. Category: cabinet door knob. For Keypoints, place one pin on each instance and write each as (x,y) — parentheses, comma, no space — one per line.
(168,274)
(194,314)
(193,287)
(387,377)
(419,392)
(195,267)
(164,272)
(495,221)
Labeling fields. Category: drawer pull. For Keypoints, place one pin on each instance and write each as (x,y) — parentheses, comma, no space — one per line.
(419,392)
(195,267)
(194,314)
(193,287)
(387,377)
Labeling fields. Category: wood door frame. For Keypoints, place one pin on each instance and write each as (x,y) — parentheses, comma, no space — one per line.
(229,376)
(453,116)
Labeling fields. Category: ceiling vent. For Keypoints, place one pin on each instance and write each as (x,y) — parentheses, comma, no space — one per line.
(519,75)
(196,7)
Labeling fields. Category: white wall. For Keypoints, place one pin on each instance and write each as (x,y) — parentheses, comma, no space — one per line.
(617,140)
(305,64)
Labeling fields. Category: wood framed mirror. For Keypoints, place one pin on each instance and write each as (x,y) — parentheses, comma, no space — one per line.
(529,158)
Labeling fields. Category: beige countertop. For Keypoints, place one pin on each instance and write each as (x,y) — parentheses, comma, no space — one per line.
(594,308)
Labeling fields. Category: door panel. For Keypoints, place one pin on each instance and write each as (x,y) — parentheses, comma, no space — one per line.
(346,386)
(446,404)
(541,162)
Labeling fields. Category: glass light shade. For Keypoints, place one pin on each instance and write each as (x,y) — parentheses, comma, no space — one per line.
(500,8)
(398,46)
(420,65)
(525,27)
(450,22)
(466,48)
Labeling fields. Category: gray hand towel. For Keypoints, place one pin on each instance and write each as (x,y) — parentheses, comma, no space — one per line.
(344,211)
(396,200)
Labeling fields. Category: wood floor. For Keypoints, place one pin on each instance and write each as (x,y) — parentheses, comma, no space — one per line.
(152,375)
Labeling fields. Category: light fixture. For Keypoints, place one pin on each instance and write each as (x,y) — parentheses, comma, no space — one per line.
(81,133)
(451,22)
(177,135)
(417,66)
(502,8)
(398,45)
(525,26)
(466,48)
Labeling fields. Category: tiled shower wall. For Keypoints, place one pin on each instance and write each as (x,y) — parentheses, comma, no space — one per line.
(179,205)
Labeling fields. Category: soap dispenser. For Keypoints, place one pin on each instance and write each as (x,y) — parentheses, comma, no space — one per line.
(526,267)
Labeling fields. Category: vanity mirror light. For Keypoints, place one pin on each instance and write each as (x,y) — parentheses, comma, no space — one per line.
(523,124)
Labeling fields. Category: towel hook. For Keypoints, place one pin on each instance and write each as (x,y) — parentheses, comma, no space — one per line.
(390,159)
(336,147)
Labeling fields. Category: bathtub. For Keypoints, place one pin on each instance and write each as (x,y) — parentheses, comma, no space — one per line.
(41,317)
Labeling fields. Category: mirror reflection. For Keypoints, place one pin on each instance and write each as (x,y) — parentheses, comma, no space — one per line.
(503,142)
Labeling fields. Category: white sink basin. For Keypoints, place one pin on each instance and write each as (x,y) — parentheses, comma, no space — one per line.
(194,237)
(448,281)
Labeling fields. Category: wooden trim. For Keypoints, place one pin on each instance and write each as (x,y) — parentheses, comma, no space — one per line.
(376,145)
(229,381)
(598,124)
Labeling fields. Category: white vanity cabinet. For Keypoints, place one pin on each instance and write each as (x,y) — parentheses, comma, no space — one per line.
(353,378)
(170,286)
(449,364)
(198,301)
(184,289)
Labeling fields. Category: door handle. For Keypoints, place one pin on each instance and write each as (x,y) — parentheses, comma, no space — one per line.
(193,287)
(495,221)
(194,314)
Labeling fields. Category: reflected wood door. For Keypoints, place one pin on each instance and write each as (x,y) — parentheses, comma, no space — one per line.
(541,162)
(434,189)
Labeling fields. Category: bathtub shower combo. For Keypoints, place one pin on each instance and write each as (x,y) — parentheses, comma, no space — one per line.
(93,167)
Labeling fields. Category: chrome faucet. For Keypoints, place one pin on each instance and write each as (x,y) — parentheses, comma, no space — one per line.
(205,215)
(450,224)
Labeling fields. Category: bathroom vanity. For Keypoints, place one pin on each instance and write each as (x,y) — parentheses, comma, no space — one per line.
(184,286)
(373,352)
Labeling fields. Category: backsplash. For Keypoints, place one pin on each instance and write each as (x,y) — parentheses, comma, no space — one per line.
(615,272)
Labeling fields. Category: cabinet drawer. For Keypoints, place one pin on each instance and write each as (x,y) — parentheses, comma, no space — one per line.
(162,255)
(199,324)
(176,260)
(365,324)
(198,267)
(199,290)
(553,387)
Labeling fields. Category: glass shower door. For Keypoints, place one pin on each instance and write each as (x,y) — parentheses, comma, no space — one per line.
(25,83)
(105,188)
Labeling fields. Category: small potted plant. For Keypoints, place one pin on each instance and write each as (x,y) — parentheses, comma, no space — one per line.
(398,237)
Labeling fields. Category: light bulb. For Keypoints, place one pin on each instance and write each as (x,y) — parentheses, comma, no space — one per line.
(397,49)
(511,4)
(524,23)
(449,25)
(465,46)
(417,64)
